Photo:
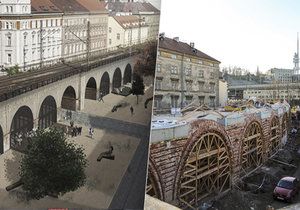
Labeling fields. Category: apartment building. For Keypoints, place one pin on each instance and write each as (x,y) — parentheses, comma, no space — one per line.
(184,75)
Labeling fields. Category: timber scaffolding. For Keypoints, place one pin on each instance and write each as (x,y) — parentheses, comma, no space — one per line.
(12,86)
(205,152)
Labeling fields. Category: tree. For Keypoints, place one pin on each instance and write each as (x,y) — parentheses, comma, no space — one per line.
(52,166)
(12,70)
(146,62)
(138,86)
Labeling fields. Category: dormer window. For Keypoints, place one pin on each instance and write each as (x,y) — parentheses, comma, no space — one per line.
(9,9)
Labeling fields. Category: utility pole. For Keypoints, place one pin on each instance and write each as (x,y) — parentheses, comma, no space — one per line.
(41,43)
(24,61)
(88,40)
(182,83)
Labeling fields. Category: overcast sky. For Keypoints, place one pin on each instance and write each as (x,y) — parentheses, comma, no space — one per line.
(244,33)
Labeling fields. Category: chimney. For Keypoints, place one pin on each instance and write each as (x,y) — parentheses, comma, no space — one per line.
(176,39)
(161,36)
(192,44)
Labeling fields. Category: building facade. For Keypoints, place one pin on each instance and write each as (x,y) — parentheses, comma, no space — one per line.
(143,10)
(126,31)
(281,75)
(35,33)
(184,75)
(30,33)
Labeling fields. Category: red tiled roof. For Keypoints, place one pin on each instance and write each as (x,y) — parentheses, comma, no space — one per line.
(43,6)
(69,6)
(133,7)
(93,5)
(128,21)
(181,47)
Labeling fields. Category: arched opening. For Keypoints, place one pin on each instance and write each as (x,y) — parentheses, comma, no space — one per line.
(91,89)
(69,99)
(48,113)
(284,124)
(252,147)
(21,124)
(127,74)
(117,78)
(1,141)
(275,140)
(206,170)
(104,84)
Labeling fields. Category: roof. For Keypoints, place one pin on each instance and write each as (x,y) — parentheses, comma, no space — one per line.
(69,6)
(132,7)
(93,5)
(128,21)
(43,6)
(288,178)
(182,47)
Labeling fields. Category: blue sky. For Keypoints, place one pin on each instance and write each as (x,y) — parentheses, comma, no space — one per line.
(244,33)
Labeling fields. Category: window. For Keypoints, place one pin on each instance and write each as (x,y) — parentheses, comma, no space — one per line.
(174,84)
(212,87)
(8,25)
(174,70)
(201,73)
(189,85)
(212,75)
(25,39)
(109,29)
(118,36)
(109,42)
(33,55)
(158,84)
(201,86)
(174,101)
(212,101)
(188,71)
(33,38)
(201,99)
(157,102)
(158,67)
(8,58)
(173,56)
(8,37)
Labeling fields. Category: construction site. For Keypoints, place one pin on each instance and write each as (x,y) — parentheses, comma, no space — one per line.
(216,159)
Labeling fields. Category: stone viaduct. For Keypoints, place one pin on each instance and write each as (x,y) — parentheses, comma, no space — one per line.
(41,107)
(208,155)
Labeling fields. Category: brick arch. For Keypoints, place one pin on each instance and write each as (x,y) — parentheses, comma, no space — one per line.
(199,129)
(252,122)
(155,177)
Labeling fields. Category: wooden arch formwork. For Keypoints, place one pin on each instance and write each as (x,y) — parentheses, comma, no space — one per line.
(274,142)
(252,147)
(284,124)
(153,187)
(207,170)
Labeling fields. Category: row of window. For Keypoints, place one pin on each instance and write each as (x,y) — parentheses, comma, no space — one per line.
(187,70)
(35,54)
(35,24)
(189,85)
(10,9)
(175,101)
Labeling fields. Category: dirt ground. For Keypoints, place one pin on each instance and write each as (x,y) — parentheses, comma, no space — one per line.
(255,191)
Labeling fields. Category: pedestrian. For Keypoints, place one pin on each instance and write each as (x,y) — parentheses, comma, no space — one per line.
(91,131)
(72,123)
(74,131)
(79,131)
(101,97)
(131,110)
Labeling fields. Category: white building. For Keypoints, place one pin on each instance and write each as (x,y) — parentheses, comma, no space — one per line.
(281,75)
(126,31)
(30,33)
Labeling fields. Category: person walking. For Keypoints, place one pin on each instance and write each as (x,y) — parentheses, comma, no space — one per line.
(101,97)
(131,110)
(91,131)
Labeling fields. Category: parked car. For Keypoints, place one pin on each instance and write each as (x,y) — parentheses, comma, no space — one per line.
(286,189)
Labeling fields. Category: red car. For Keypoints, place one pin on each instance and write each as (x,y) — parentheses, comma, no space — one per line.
(286,189)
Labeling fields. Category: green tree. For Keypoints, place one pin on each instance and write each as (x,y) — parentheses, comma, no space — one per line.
(138,87)
(12,70)
(52,166)
(146,62)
